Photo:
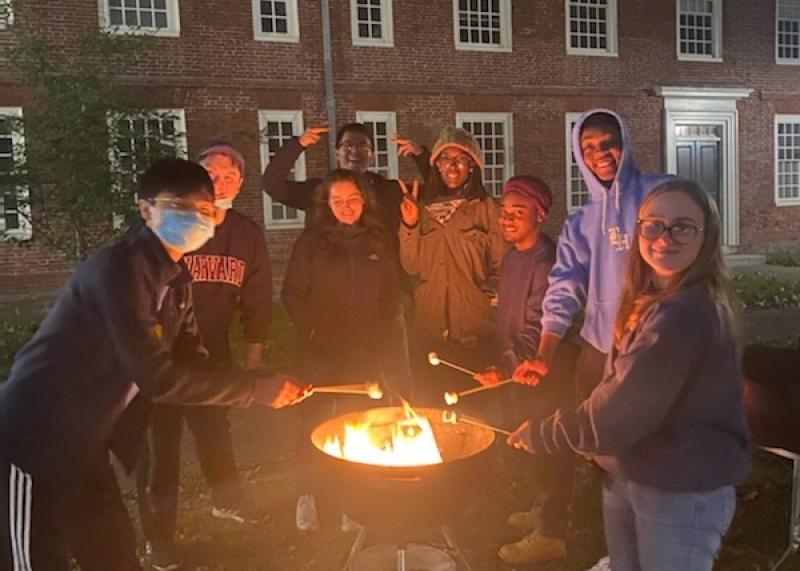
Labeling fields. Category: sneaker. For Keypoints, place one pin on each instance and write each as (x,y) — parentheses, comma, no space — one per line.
(305,515)
(603,565)
(526,520)
(533,548)
(349,524)
(163,557)
(243,513)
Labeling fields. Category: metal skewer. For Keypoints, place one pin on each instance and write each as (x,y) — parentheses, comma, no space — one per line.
(452,398)
(451,417)
(372,390)
(435,360)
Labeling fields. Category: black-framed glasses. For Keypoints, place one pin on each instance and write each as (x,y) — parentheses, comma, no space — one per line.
(681,233)
(206,209)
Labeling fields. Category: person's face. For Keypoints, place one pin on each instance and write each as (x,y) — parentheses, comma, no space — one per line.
(670,234)
(519,218)
(602,152)
(354,152)
(455,167)
(225,175)
(346,202)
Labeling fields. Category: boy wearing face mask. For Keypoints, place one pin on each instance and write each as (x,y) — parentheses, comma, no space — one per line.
(122,329)
(231,271)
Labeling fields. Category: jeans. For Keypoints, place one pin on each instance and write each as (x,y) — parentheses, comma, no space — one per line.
(648,529)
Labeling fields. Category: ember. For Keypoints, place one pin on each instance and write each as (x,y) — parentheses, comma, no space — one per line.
(405,441)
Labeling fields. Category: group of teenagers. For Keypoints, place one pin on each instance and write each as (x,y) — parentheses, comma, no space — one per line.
(620,335)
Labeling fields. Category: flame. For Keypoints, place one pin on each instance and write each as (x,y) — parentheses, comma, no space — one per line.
(408,442)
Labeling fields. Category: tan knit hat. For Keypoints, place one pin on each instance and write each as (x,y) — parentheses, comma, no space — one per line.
(453,137)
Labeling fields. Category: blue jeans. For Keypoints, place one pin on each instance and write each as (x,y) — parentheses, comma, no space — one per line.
(648,529)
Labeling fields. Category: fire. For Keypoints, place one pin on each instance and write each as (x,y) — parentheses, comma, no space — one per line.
(407,442)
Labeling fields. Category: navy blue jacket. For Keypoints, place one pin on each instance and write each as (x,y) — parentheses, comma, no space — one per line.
(122,325)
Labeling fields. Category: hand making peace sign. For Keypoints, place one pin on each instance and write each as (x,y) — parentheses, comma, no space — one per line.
(409,208)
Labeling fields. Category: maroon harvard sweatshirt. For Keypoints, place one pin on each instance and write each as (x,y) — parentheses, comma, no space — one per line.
(232,271)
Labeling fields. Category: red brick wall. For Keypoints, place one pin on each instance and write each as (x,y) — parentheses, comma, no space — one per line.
(221,76)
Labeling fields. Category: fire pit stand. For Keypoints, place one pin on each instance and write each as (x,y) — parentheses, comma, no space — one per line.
(407,556)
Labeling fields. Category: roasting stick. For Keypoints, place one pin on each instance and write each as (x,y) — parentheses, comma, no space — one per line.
(373,390)
(452,398)
(435,360)
(452,418)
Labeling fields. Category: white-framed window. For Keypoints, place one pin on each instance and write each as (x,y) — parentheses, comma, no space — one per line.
(787,31)
(138,140)
(6,14)
(276,20)
(787,160)
(155,17)
(591,27)
(699,25)
(577,191)
(371,23)
(494,133)
(14,208)
(483,25)
(276,129)
(382,125)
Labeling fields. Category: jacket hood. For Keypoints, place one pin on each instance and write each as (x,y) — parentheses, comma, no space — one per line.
(626,168)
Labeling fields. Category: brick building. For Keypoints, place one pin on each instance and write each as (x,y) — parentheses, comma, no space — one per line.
(709,89)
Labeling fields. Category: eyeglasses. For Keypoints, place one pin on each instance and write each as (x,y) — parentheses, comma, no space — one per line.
(681,233)
(459,160)
(353,202)
(206,209)
(357,147)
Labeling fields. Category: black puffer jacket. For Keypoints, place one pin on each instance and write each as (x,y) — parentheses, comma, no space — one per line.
(342,293)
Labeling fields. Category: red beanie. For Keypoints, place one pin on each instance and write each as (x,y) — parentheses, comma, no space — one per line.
(532,188)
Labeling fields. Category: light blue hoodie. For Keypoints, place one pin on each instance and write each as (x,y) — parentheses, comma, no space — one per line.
(593,247)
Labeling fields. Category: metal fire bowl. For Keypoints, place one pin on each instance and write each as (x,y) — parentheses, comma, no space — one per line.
(404,499)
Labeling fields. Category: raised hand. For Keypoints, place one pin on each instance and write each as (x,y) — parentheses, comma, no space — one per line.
(312,136)
(406,147)
(409,208)
(488,378)
(530,372)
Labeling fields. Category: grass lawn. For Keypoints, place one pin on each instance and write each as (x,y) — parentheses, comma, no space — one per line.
(265,441)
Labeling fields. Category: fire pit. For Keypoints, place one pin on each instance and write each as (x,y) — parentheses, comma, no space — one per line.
(401,471)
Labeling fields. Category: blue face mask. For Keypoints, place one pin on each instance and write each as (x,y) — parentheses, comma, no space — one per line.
(183,230)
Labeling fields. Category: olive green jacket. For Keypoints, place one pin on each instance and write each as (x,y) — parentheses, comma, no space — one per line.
(456,266)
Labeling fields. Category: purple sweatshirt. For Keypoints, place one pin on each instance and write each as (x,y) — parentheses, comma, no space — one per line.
(523,283)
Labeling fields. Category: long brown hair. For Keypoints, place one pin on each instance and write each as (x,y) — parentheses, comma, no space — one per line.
(708,269)
(323,220)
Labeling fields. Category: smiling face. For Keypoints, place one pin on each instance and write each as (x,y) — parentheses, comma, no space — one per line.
(519,220)
(224,174)
(346,202)
(602,152)
(354,152)
(455,167)
(674,250)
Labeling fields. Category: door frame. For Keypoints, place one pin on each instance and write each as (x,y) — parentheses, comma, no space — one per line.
(709,106)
